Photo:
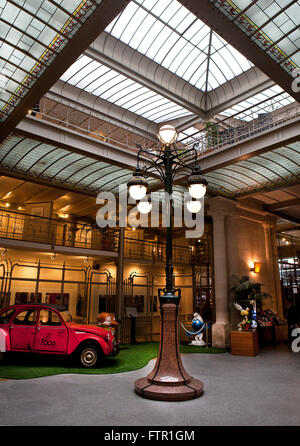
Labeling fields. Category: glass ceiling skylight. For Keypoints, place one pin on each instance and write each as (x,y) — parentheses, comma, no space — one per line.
(166,32)
(31,157)
(101,81)
(273,25)
(277,167)
(32,34)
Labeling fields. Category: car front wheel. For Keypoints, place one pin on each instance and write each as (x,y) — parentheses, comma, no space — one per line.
(89,356)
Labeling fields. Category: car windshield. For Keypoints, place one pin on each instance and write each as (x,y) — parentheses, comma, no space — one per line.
(66,316)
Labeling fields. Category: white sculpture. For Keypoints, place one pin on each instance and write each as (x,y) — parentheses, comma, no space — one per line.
(198,325)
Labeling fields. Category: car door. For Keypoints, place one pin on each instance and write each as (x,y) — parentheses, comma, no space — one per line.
(22,330)
(52,333)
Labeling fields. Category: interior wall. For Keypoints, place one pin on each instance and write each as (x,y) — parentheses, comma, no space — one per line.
(183,278)
(251,247)
(28,269)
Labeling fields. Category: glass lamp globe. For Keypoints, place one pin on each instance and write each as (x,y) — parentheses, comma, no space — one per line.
(137,191)
(193,206)
(197,183)
(137,185)
(144,207)
(197,190)
(167,134)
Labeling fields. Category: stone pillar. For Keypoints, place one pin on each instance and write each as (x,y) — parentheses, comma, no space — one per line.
(120,271)
(231,244)
(272,260)
(218,208)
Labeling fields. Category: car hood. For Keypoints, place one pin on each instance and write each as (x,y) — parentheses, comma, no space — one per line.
(89,329)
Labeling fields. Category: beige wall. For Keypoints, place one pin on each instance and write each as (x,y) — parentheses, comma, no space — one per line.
(252,246)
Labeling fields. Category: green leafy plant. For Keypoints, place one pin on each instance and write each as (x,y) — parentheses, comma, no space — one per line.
(245,288)
(211,134)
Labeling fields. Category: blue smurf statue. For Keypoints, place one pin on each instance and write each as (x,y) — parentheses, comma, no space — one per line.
(198,326)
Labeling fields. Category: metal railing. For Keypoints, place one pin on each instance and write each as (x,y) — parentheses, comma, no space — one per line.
(208,140)
(31,228)
(85,130)
(213,138)
(155,252)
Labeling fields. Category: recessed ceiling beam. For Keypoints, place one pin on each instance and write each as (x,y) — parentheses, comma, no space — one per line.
(282,204)
(58,136)
(285,216)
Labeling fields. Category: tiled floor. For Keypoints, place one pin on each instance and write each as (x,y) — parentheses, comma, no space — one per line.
(247,391)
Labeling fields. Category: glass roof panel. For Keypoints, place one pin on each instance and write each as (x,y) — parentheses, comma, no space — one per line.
(145,25)
(62,166)
(269,24)
(177,40)
(120,90)
(279,166)
(33,34)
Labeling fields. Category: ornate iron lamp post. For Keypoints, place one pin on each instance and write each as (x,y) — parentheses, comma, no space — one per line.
(168,381)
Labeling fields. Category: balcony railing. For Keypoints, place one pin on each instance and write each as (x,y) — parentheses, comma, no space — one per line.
(86,131)
(213,138)
(32,228)
(156,252)
(54,232)
(207,140)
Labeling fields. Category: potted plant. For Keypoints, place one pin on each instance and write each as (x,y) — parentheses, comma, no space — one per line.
(245,288)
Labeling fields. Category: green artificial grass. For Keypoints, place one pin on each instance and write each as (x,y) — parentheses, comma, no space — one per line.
(130,357)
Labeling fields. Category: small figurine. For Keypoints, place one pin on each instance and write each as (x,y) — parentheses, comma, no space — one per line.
(198,325)
(246,322)
(253,314)
(107,320)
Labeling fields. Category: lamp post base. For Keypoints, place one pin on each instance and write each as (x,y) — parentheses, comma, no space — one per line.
(169,381)
(168,392)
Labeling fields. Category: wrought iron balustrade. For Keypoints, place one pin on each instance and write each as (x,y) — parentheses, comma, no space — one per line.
(155,252)
(214,138)
(50,231)
(32,228)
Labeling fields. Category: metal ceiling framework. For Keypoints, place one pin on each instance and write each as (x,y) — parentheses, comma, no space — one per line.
(118,56)
(251,39)
(276,168)
(170,35)
(136,67)
(38,161)
(99,80)
(164,68)
(66,29)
